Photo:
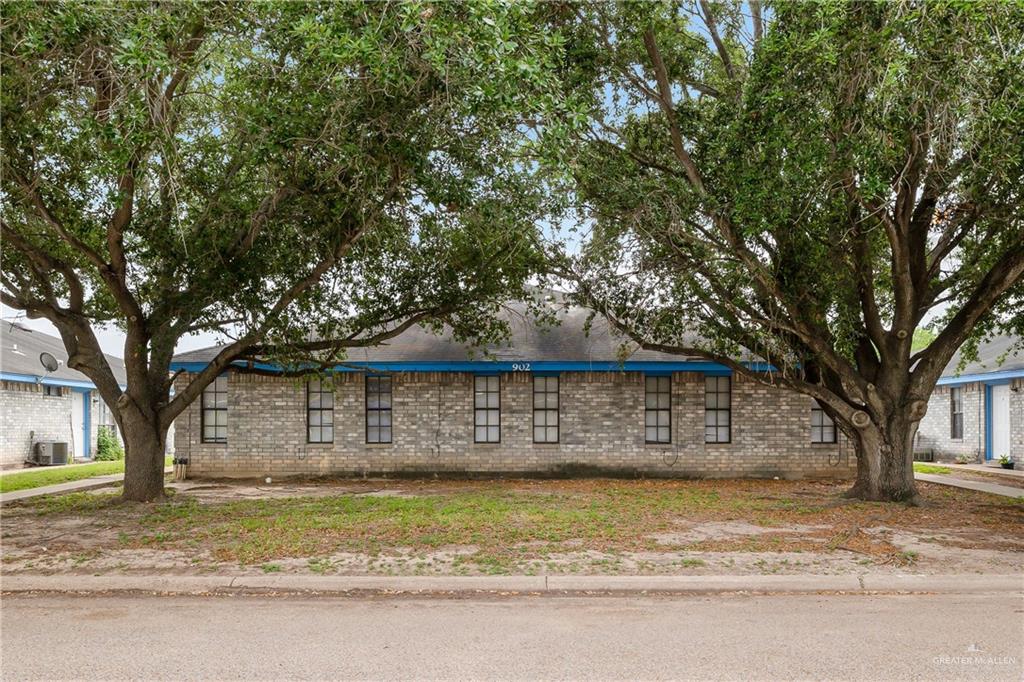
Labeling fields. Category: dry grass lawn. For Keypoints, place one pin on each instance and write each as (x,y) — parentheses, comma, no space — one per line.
(515,526)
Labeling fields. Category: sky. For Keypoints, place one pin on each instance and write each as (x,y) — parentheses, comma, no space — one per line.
(111,339)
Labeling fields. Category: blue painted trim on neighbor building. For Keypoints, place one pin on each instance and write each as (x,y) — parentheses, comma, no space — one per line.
(86,421)
(988,414)
(48,381)
(988,422)
(498,366)
(1003,375)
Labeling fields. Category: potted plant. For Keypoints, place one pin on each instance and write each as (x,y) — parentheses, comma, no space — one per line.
(1006,462)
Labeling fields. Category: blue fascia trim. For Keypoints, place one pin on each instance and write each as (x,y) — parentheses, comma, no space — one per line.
(988,422)
(499,366)
(49,381)
(987,377)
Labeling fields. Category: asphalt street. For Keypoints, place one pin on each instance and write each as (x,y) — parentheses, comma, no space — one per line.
(871,637)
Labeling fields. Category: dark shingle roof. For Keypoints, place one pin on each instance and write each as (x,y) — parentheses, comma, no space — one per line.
(568,341)
(20,348)
(995,355)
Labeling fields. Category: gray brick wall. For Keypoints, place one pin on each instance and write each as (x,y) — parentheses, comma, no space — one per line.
(1017,422)
(24,410)
(933,433)
(934,430)
(602,430)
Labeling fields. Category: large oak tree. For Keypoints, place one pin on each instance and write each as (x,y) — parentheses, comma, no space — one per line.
(808,184)
(300,177)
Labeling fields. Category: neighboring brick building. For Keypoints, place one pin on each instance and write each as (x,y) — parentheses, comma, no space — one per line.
(552,401)
(35,406)
(978,411)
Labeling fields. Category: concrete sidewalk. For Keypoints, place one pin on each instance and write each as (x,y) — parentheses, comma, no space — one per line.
(993,488)
(69,487)
(541,584)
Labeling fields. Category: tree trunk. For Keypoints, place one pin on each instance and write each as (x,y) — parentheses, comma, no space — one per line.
(885,462)
(144,458)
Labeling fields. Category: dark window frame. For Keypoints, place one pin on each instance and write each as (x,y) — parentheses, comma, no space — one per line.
(956,417)
(486,409)
(211,389)
(657,410)
(827,423)
(378,381)
(320,410)
(53,391)
(547,411)
(717,409)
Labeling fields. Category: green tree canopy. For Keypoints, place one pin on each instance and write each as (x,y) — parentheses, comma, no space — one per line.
(303,177)
(805,183)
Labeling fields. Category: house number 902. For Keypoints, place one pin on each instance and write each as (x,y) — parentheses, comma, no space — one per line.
(520,367)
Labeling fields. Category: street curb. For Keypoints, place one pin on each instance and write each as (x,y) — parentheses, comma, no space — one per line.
(703,584)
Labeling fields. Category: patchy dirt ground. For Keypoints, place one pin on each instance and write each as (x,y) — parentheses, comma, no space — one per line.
(516,526)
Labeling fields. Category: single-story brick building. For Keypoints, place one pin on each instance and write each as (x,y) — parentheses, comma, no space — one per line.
(39,406)
(553,400)
(977,411)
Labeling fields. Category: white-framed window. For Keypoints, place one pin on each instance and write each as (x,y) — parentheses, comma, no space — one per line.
(545,409)
(319,412)
(487,409)
(378,409)
(956,412)
(214,411)
(658,409)
(717,409)
(823,429)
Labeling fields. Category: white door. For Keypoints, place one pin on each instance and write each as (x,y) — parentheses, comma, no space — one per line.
(1000,421)
(77,422)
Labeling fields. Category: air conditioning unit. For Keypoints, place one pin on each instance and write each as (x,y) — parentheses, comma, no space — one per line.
(49,453)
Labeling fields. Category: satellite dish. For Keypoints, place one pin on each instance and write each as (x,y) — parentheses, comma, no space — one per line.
(49,363)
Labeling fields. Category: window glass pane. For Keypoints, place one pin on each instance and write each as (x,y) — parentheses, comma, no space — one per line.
(373,418)
(314,418)
(552,418)
(540,418)
(652,434)
(709,418)
(493,417)
(220,400)
(723,434)
(372,401)
(538,400)
(710,434)
(492,384)
(538,434)
(552,434)
(493,434)
(481,434)
(314,400)
(314,434)
(723,417)
(663,436)
(663,417)
(385,418)
(552,400)
(493,400)
(663,401)
(651,401)
(372,434)
(385,434)
(385,400)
